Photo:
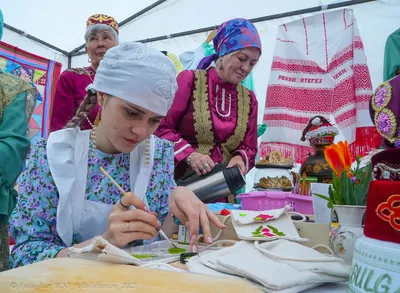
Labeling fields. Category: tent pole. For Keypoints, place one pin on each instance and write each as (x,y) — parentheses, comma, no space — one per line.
(75,52)
(69,61)
(15,30)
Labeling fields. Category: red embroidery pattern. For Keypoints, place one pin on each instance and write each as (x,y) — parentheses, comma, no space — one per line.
(305,34)
(326,42)
(389,211)
(361,73)
(305,97)
(295,66)
(358,44)
(285,41)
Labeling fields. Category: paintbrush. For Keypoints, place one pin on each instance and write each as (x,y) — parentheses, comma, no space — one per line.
(124,193)
(113,181)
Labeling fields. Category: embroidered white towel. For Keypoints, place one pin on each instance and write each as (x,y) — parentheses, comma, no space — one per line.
(276,276)
(242,217)
(278,228)
(303,258)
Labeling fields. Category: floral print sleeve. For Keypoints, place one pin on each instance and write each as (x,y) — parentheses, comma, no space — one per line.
(161,181)
(33,221)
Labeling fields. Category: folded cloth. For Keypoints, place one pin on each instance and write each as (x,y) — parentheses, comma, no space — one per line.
(210,260)
(245,260)
(196,266)
(280,227)
(304,258)
(243,217)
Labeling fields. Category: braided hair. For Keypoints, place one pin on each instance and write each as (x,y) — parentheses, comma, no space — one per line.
(309,125)
(87,105)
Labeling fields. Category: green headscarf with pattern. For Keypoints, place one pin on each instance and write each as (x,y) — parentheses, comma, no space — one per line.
(10,85)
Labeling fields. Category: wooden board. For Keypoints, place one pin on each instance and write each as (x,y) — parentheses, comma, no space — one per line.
(70,275)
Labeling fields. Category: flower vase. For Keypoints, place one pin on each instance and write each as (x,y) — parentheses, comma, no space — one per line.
(347,226)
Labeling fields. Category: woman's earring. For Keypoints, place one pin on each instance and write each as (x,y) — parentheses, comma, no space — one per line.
(147,153)
(88,59)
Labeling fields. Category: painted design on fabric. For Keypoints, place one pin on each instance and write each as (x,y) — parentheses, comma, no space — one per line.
(269,231)
(263,218)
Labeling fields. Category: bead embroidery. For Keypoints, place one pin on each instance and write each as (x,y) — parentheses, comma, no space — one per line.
(384,118)
(386,171)
(203,121)
(223,103)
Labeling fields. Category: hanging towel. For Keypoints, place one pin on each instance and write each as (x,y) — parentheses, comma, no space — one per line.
(320,68)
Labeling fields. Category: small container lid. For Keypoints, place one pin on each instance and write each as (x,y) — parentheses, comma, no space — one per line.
(269,194)
(299,197)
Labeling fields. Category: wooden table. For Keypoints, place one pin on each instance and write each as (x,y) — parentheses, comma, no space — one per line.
(79,275)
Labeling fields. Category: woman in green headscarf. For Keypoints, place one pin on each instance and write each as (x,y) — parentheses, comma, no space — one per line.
(14,145)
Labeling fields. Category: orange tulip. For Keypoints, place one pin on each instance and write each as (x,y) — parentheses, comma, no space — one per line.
(338,157)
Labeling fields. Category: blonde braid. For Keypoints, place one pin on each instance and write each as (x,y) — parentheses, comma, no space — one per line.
(87,105)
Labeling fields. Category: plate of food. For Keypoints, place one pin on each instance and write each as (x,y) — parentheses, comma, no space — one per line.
(274,183)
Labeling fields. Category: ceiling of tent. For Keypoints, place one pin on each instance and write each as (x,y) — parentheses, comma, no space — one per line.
(62,23)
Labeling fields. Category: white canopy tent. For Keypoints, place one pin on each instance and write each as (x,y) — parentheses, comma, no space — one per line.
(62,25)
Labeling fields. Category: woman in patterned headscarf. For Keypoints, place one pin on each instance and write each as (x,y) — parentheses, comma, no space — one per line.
(101,35)
(213,118)
(14,145)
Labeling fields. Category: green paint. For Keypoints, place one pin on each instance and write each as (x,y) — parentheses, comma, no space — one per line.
(242,214)
(258,230)
(142,256)
(276,231)
(176,250)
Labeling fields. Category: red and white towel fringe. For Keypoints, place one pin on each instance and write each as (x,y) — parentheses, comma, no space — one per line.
(320,68)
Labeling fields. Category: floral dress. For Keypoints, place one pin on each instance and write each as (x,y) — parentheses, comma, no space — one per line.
(33,222)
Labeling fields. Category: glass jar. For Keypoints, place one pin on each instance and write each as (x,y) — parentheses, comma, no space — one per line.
(276,155)
(278,179)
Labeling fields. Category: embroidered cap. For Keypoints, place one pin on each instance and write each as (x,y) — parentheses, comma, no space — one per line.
(319,131)
(139,75)
(102,19)
(385,111)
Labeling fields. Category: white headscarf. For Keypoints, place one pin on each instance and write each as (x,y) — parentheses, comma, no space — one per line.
(139,75)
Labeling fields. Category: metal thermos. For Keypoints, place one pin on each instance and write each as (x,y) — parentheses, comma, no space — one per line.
(220,182)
